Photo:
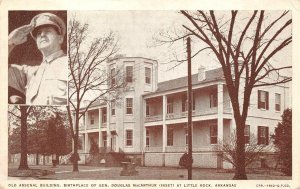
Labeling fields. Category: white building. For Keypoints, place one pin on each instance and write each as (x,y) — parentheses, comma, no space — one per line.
(151,122)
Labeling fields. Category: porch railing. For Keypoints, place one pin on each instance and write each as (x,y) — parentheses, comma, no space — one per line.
(179,115)
(149,118)
(153,148)
(104,125)
(179,149)
(94,126)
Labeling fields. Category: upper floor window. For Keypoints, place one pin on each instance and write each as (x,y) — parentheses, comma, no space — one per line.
(129,74)
(213,134)
(169,105)
(263,135)
(113,76)
(113,108)
(129,105)
(148,75)
(247,134)
(147,109)
(277,102)
(92,118)
(170,137)
(263,99)
(129,138)
(213,99)
(104,115)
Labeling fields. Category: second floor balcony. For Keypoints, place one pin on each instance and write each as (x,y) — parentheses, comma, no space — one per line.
(205,102)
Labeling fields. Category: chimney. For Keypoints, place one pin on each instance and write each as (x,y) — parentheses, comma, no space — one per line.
(201,73)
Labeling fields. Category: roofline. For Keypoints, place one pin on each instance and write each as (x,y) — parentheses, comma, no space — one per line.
(131,57)
(155,93)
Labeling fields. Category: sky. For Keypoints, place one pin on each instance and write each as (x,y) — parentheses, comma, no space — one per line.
(136,30)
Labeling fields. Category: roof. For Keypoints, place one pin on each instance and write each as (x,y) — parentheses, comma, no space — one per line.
(211,75)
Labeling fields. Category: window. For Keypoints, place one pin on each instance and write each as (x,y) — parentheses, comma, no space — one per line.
(247,134)
(104,115)
(213,134)
(148,75)
(169,106)
(129,102)
(104,137)
(92,120)
(277,101)
(263,135)
(147,138)
(129,138)
(113,108)
(170,137)
(80,142)
(113,76)
(147,109)
(129,74)
(213,99)
(263,100)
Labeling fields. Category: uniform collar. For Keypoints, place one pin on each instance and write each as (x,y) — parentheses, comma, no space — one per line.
(53,56)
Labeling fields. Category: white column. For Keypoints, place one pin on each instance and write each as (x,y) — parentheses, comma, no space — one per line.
(108,126)
(99,128)
(220,111)
(85,133)
(144,128)
(164,123)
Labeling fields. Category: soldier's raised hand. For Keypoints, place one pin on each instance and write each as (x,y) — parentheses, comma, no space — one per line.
(19,36)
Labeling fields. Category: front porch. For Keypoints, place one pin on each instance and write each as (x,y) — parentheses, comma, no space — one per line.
(205,137)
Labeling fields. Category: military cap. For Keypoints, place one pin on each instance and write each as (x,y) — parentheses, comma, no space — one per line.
(45,19)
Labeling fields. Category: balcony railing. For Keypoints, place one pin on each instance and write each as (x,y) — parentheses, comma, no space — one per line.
(153,118)
(153,148)
(179,115)
(179,149)
(94,126)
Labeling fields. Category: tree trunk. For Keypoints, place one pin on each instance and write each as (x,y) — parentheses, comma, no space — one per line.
(23,162)
(240,171)
(76,155)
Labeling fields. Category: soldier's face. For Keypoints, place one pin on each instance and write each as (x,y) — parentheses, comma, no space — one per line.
(47,39)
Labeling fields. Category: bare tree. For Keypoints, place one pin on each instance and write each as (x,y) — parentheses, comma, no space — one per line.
(244,44)
(88,79)
(252,150)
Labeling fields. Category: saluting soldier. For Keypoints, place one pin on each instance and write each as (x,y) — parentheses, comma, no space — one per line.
(45,84)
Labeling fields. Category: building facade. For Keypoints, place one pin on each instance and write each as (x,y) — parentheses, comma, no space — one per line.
(150,122)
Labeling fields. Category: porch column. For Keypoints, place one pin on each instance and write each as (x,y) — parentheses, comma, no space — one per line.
(99,129)
(144,128)
(164,123)
(220,111)
(108,126)
(85,133)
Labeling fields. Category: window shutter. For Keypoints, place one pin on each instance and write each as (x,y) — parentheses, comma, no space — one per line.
(258,99)
(258,135)
(267,100)
(267,135)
